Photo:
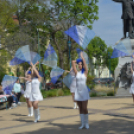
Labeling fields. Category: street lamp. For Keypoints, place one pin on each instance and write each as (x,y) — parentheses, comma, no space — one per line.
(109,64)
(69,45)
(38,46)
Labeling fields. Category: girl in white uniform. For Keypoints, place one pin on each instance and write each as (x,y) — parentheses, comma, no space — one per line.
(132,85)
(73,86)
(81,92)
(36,95)
(27,92)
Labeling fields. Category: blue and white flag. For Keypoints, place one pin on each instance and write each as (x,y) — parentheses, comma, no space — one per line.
(50,57)
(81,34)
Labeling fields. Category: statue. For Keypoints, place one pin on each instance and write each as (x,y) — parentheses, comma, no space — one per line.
(128,17)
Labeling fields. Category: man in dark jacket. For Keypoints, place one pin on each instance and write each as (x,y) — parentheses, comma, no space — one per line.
(127,16)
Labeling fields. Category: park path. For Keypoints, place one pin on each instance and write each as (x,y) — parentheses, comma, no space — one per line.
(106,116)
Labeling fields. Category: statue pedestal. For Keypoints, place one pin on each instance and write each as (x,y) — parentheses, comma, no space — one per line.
(123,70)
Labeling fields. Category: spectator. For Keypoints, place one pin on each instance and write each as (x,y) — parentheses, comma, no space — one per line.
(17,89)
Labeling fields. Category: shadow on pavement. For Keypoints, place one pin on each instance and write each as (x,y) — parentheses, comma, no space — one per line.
(113,126)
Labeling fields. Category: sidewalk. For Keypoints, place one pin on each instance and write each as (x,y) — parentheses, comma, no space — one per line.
(106,116)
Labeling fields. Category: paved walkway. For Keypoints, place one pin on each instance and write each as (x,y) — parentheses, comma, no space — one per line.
(106,116)
(123,92)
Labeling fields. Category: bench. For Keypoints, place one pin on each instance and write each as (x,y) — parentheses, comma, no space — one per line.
(3,99)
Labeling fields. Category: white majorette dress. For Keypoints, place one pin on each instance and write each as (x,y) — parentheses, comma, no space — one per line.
(73,84)
(131,91)
(27,92)
(81,92)
(35,90)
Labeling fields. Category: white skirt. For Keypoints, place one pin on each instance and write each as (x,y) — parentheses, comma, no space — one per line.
(131,91)
(36,96)
(73,86)
(27,94)
(82,95)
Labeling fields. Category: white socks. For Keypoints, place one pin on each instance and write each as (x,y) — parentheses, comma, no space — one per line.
(84,121)
(36,115)
(30,109)
(75,105)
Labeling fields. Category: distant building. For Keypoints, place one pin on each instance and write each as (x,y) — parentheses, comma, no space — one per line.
(98,71)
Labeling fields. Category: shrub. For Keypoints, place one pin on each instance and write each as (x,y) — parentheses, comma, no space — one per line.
(110,93)
(66,92)
(93,94)
(60,92)
(22,99)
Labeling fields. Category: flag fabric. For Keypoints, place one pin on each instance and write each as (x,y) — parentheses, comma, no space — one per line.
(67,80)
(50,57)
(81,34)
(55,74)
(123,48)
(35,57)
(7,83)
(22,55)
(117,53)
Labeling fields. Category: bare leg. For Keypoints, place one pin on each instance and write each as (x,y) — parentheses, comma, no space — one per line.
(84,107)
(79,103)
(29,103)
(35,104)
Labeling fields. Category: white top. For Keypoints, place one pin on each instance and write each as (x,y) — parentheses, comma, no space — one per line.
(35,90)
(81,92)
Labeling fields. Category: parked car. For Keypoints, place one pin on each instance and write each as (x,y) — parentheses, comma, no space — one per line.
(103,80)
(50,85)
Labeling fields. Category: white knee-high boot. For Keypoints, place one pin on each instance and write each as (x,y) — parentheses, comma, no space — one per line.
(36,115)
(82,121)
(31,111)
(75,105)
(86,124)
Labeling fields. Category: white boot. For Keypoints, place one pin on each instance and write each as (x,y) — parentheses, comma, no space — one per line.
(31,111)
(36,115)
(86,121)
(75,105)
(82,121)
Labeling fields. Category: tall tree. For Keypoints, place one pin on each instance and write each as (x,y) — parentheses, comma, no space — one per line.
(111,63)
(98,49)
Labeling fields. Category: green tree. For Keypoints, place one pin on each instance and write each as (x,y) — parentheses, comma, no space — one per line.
(112,63)
(98,49)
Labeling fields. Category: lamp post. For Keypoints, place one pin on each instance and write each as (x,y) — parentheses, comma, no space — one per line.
(109,64)
(38,46)
(69,45)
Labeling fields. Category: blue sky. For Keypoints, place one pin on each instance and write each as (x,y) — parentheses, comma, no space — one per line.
(109,26)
